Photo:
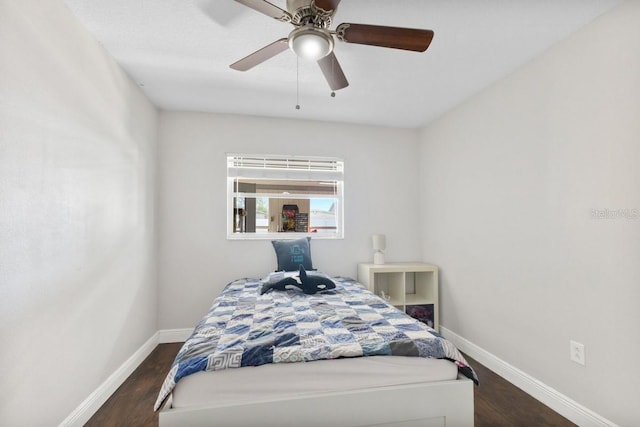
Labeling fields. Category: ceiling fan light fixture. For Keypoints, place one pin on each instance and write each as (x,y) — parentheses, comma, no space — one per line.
(310,43)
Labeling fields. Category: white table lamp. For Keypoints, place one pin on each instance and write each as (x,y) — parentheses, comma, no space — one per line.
(379,245)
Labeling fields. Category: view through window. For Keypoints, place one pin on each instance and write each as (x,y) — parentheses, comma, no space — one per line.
(284,196)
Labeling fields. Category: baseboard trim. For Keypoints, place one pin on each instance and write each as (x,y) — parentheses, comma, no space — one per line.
(91,404)
(557,401)
(560,403)
(166,336)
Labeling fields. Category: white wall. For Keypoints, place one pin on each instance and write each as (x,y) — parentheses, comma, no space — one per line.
(77,161)
(509,182)
(196,260)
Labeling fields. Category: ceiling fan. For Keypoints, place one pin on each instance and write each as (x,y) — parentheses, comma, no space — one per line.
(313,40)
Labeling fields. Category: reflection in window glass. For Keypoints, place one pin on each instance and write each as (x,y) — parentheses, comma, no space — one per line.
(279,196)
(322,218)
(262,214)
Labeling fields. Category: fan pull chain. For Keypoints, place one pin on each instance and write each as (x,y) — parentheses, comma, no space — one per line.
(297,83)
(333,64)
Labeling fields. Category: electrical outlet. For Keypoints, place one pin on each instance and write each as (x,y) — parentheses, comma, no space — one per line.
(577,352)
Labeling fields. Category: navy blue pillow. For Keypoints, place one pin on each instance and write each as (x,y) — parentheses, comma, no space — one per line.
(293,253)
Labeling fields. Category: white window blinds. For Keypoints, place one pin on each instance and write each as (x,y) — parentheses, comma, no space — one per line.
(283,167)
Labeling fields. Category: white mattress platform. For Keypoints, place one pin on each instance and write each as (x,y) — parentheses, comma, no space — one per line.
(364,391)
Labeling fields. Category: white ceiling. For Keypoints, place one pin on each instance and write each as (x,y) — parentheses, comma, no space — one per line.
(179,52)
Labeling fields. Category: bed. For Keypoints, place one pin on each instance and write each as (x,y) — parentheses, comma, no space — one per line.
(316,352)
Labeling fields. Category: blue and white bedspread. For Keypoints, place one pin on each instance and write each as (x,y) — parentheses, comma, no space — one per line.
(244,328)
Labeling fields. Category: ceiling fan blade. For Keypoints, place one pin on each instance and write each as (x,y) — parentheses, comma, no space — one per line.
(261,55)
(393,37)
(327,5)
(267,8)
(333,72)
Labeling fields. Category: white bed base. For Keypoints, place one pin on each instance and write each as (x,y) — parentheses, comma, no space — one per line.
(442,403)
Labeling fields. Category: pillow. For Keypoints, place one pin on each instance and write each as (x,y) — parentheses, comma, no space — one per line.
(293,253)
(313,281)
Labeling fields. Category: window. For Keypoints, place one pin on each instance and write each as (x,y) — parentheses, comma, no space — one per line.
(284,196)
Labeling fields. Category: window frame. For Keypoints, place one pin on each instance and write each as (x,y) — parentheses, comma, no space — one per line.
(292,168)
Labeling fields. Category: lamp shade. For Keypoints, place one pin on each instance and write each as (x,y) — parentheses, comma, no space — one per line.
(379,242)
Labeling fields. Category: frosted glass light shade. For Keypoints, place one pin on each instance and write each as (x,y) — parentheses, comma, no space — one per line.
(311,44)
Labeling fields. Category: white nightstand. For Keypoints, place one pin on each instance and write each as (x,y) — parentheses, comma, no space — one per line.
(409,284)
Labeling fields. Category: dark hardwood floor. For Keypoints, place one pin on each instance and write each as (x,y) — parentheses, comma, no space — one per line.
(132,403)
(497,402)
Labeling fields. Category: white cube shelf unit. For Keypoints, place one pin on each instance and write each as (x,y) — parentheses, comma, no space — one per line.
(407,284)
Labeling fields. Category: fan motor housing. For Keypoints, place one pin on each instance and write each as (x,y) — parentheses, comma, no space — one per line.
(303,12)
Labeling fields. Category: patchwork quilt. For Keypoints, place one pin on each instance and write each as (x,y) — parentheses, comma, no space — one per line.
(245,328)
